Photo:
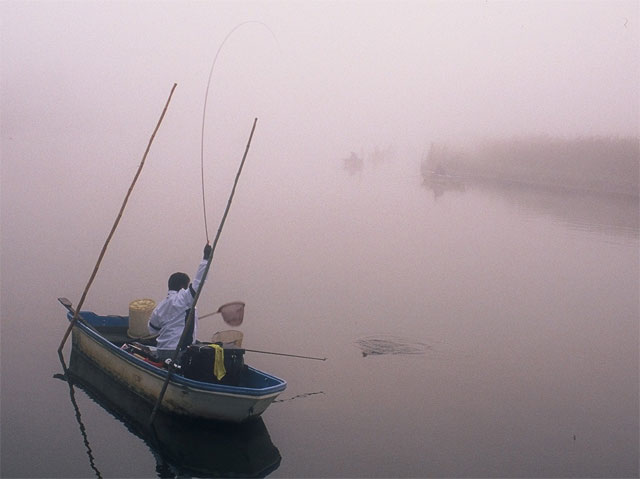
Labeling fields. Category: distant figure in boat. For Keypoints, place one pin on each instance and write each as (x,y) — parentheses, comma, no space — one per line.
(353,164)
(168,319)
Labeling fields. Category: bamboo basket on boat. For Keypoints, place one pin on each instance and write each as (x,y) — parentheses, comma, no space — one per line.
(139,312)
(230,337)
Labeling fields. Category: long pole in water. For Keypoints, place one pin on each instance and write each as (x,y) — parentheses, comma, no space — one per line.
(115,224)
(191,317)
(285,354)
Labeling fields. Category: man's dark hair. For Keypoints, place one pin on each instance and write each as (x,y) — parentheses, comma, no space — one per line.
(178,281)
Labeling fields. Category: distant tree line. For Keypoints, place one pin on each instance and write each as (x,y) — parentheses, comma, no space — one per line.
(605,164)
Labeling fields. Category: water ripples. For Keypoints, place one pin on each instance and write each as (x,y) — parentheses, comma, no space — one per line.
(387,344)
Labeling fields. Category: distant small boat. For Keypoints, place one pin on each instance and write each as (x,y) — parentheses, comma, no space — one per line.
(100,339)
(353,163)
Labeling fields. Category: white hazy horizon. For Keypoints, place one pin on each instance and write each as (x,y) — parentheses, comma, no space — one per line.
(363,73)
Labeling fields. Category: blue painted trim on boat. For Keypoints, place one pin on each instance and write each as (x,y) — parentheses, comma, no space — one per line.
(93,318)
(100,321)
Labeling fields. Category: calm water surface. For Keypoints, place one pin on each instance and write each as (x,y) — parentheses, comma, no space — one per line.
(506,322)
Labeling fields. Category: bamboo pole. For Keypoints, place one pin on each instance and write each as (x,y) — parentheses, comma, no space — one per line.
(191,317)
(285,354)
(115,224)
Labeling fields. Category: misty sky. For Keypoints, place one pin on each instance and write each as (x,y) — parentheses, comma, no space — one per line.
(346,73)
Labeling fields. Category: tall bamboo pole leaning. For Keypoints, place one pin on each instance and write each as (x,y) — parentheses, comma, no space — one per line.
(191,317)
(76,316)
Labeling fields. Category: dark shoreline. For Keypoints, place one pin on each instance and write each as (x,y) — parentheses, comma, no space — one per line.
(595,165)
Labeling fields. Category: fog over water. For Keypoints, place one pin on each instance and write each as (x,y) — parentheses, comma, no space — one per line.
(83,85)
(530,293)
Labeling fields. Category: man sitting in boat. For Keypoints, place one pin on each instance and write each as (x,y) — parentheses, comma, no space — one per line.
(169,317)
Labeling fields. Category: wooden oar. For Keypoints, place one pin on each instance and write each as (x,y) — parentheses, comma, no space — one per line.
(115,224)
(190,318)
(68,304)
(75,314)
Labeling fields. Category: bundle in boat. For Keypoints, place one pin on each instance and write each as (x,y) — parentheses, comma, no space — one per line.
(213,363)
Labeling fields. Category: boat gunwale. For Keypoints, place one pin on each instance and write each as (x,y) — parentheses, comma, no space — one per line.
(181,381)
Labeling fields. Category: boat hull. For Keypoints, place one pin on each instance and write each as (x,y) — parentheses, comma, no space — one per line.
(182,446)
(183,396)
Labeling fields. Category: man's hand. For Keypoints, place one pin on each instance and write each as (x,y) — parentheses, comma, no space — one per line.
(207,251)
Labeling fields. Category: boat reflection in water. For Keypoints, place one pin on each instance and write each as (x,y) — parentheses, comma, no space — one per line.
(440,183)
(182,447)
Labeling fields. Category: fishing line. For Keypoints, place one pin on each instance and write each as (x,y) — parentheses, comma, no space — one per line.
(204,111)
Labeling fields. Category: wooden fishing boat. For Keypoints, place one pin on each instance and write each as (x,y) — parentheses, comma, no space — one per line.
(100,339)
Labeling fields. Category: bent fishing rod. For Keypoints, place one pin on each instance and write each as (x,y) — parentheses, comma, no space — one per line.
(204,111)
